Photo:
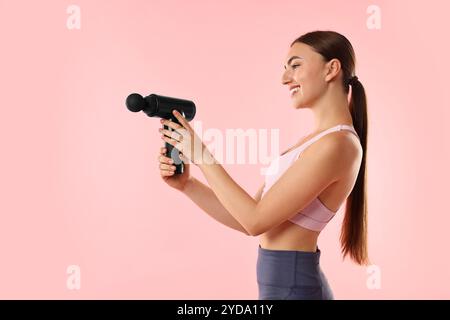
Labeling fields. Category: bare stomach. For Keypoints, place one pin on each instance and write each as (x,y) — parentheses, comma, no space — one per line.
(289,236)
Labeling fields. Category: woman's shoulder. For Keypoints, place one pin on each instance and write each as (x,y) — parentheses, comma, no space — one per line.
(298,144)
(344,144)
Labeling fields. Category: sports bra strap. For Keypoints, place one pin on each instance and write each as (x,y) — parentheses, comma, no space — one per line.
(339,127)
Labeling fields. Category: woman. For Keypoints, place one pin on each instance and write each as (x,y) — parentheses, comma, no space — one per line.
(297,200)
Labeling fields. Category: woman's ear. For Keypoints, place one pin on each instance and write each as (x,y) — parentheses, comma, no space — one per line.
(332,69)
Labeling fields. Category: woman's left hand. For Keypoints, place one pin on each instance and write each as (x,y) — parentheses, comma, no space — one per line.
(184,138)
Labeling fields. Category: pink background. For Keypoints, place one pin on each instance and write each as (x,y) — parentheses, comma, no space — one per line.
(79,177)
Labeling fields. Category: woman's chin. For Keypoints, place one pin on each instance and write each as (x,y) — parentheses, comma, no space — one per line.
(297,104)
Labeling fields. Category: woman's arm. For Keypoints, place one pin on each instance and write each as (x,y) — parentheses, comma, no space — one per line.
(205,198)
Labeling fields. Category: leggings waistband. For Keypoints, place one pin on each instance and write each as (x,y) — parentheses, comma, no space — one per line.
(289,255)
(288,267)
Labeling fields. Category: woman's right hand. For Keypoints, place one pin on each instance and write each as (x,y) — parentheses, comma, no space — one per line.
(167,169)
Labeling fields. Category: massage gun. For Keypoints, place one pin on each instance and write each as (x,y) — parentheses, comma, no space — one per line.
(161,106)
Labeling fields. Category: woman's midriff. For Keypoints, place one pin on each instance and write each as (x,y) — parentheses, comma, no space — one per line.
(289,236)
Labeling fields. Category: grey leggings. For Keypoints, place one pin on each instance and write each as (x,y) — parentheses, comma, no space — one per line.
(291,275)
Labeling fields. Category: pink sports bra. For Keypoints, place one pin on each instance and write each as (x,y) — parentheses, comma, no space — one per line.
(316,215)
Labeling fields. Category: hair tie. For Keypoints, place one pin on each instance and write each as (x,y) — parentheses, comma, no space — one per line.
(352,80)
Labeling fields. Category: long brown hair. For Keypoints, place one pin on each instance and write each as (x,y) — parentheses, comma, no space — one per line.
(333,45)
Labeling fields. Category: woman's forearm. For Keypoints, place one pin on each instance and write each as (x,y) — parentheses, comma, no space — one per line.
(206,199)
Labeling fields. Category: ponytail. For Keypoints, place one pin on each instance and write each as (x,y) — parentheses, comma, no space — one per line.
(353,236)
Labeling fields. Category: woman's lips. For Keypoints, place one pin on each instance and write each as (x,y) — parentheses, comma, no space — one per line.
(295,90)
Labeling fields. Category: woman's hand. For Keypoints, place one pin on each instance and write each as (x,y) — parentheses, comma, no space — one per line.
(167,169)
(188,143)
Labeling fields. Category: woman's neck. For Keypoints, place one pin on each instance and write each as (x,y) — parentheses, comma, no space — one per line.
(332,109)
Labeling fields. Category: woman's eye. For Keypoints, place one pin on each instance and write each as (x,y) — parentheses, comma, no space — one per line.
(295,65)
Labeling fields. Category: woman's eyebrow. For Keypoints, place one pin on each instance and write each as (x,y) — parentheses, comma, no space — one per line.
(292,58)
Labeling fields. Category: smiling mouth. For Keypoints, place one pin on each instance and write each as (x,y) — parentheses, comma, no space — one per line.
(294,91)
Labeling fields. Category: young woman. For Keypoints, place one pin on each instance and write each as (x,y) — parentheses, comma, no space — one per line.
(312,179)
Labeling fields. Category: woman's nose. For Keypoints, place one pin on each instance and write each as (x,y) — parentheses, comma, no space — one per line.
(285,78)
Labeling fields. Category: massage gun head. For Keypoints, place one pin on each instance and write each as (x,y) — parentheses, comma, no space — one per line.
(161,106)
(135,102)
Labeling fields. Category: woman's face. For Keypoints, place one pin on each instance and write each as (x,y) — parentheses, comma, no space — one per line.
(304,68)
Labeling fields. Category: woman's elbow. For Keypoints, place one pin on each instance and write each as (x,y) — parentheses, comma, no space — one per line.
(256,230)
